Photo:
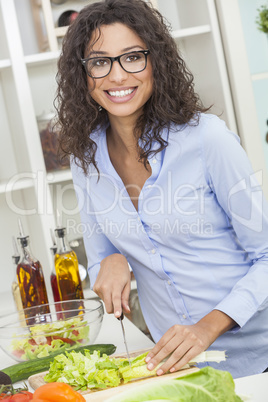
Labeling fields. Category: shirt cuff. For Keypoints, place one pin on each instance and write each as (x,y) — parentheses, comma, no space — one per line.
(237,308)
(93,273)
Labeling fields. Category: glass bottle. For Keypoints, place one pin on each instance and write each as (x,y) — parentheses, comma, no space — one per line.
(53,279)
(15,286)
(31,280)
(67,269)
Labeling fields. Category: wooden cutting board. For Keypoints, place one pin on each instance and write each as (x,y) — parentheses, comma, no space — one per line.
(37,380)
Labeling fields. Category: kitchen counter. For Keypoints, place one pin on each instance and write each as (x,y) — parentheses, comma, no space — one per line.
(254,387)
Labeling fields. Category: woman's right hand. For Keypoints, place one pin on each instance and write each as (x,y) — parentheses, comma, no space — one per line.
(113,284)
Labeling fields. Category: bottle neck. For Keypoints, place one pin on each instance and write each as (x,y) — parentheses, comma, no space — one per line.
(63,245)
(26,253)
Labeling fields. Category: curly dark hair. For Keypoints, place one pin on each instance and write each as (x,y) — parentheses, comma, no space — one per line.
(173,99)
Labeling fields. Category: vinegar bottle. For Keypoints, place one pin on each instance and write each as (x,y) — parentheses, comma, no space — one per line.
(31,279)
(66,267)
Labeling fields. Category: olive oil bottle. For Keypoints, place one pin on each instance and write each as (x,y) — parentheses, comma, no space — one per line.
(67,269)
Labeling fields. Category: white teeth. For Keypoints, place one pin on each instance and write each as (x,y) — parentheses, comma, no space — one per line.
(121,93)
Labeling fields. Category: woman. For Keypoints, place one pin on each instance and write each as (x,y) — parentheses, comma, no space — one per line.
(165,187)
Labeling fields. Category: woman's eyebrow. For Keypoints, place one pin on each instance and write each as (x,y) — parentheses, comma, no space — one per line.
(102,52)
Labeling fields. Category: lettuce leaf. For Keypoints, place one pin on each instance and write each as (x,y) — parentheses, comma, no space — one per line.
(92,371)
(84,371)
(205,385)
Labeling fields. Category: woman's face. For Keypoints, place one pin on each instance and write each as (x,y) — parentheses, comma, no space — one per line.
(122,94)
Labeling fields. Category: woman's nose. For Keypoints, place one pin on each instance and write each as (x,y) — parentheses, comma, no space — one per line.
(117,74)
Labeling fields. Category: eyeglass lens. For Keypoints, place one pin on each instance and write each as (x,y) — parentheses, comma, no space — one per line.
(130,62)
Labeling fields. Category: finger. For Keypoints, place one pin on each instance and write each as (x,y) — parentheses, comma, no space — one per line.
(117,300)
(162,344)
(125,298)
(107,300)
(189,356)
(165,351)
(181,356)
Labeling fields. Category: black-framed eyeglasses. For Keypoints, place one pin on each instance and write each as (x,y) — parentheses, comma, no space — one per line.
(131,62)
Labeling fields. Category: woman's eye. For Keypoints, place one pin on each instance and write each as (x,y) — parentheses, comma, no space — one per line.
(99,62)
(132,57)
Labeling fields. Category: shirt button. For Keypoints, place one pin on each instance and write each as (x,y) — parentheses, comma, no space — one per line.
(149,186)
(169,282)
(184,316)
(154,161)
(153,251)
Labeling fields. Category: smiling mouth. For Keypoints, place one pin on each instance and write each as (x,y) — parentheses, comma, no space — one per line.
(120,94)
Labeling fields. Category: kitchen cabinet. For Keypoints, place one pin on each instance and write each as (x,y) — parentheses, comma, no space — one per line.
(27,87)
(246,51)
(257,54)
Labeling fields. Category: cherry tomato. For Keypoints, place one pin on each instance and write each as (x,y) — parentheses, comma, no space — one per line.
(57,392)
(23,396)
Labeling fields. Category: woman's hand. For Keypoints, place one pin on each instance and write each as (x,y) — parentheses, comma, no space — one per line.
(183,342)
(113,284)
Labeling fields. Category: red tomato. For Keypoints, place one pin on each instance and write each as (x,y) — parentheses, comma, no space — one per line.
(23,396)
(49,339)
(66,340)
(18,352)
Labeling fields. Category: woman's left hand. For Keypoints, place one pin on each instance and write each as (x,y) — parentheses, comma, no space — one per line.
(183,342)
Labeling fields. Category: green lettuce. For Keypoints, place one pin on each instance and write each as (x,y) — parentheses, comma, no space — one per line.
(205,385)
(138,369)
(92,371)
(85,371)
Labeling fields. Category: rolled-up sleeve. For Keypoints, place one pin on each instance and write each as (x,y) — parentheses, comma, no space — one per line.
(97,245)
(231,177)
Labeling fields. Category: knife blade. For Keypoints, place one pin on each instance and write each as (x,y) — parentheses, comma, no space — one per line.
(124,337)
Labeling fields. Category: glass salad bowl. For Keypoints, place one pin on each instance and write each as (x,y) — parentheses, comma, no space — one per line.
(50,329)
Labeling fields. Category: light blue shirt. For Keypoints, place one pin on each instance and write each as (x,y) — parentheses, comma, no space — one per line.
(198,242)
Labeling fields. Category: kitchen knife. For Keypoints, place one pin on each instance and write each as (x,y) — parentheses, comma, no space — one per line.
(124,337)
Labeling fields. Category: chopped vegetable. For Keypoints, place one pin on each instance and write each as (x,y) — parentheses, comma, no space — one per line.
(92,371)
(45,339)
(205,385)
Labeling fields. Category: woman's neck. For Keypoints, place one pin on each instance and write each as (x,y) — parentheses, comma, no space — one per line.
(120,135)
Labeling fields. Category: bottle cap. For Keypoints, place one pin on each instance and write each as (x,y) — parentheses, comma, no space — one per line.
(60,232)
(53,249)
(15,259)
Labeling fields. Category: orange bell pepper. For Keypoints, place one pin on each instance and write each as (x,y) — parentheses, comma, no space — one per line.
(57,392)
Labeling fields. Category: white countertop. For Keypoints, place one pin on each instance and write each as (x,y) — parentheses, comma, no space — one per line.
(254,387)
